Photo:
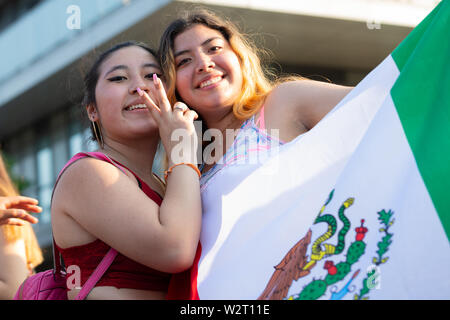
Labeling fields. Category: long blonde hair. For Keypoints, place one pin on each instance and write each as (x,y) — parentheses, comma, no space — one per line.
(256,85)
(13,233)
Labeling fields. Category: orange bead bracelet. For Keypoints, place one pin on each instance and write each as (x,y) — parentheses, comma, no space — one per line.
(166,173)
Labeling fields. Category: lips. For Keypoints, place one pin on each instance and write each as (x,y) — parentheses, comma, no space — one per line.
(210,80)
(136,104)
(134,107)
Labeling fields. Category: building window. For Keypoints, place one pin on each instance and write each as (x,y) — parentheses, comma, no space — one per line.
(45,181)
(11,10)
(39,153)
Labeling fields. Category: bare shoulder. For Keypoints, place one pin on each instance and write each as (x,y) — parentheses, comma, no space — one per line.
(307,101)
(91,183)
(83,175)
(76,189)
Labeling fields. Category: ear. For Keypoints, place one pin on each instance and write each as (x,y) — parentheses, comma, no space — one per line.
(92,112)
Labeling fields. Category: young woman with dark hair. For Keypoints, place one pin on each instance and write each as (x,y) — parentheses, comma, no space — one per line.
(110,198)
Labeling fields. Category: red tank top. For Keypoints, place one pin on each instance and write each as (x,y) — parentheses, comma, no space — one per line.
(123,272)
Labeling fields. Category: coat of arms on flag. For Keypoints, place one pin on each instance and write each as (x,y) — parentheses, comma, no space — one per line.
(297,263)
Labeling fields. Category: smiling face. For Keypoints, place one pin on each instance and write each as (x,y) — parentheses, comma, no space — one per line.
(208,72)
(119,107)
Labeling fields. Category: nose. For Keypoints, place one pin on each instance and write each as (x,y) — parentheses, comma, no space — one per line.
(139,82)
(205,63)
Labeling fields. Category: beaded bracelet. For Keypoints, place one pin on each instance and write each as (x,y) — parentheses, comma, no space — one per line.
(166,173)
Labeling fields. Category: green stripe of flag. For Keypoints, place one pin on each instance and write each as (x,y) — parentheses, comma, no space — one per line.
(421,96)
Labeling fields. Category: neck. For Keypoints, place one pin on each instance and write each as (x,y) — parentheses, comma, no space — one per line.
(137,155)
(223,122)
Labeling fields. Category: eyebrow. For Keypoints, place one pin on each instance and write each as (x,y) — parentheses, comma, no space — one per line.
(203,43)
(116,68)
(120,67)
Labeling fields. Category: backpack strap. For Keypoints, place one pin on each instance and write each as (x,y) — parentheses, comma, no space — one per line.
(57,268)
(97,274)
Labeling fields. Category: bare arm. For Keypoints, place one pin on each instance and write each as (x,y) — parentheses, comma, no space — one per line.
(13,266)
(306,101)
(111,207)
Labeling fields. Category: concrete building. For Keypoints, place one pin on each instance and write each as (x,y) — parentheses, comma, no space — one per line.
(47,43)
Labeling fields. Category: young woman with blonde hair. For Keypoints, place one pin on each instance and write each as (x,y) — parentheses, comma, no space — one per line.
(214,69)
(19,250)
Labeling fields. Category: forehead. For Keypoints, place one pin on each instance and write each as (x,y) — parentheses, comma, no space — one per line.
(194,37)
(129,56)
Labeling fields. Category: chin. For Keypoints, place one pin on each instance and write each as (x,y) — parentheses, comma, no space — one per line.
(211,104)
(144,131)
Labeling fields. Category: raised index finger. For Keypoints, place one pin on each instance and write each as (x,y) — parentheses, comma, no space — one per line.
(153,108)
(161,95)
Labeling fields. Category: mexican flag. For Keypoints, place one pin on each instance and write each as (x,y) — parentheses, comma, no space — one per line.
(356,208)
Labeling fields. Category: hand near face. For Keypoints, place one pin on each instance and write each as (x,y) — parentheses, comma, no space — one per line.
(13,210)
(176,125)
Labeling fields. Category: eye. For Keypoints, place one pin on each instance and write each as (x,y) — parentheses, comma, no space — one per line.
(150,75)
(117,79)
(215,48)
(183,61)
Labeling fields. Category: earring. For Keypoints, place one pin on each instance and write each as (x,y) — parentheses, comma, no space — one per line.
(97,134)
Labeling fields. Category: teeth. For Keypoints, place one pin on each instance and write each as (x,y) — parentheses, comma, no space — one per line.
(210,82)
(138,106)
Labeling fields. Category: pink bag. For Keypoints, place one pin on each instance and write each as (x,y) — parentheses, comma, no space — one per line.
(51,284)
